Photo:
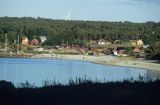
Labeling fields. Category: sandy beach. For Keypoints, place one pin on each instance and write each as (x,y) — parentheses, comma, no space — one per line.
(109,60)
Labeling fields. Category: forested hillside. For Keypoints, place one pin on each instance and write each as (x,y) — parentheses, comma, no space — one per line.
(61,31)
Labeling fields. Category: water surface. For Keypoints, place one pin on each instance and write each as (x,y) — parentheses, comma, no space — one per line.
(18,70)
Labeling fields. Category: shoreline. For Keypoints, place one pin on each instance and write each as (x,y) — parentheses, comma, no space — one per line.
(113,61)
(101,59)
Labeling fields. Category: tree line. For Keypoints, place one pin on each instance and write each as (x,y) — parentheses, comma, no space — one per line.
(78,32)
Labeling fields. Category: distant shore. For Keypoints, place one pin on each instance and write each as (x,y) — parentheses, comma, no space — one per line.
(115,61)
(103,59)
(108,60)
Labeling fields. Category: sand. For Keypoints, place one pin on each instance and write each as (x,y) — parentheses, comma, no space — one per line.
(110,60)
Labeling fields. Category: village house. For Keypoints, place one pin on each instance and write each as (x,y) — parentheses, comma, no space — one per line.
(25,41)
(146,46)
(136,50)
(101,42)
(135,42)
(43,38)
(140,42)
(115,52)
(34,42)
(121,50)
(94,51)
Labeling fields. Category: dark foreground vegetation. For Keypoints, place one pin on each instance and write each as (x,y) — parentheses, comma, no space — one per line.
(86,93)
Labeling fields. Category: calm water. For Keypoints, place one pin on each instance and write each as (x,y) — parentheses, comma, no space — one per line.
(38,70)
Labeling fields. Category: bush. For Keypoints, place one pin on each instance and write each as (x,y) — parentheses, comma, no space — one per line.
(108,51)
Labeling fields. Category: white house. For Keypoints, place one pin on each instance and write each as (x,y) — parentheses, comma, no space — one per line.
(115,52)
(146,46)
(43,38)
(101,42)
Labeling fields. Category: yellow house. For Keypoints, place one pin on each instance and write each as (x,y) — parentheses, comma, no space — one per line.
(25,41)
(140,42)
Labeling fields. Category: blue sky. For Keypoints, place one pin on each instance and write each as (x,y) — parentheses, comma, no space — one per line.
(103,10)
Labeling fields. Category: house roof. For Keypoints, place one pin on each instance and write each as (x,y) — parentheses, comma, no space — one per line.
(34,42)
(140,42)
(136,50)
(43,38)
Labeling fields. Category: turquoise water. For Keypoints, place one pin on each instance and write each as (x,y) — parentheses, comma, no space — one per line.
(36,71)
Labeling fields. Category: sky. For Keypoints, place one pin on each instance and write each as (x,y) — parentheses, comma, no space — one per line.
(96,10)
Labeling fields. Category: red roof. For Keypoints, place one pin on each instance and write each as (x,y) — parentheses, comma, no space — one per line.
(136,50)
(34,42)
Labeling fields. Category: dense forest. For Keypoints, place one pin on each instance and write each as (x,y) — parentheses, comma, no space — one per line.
(71,31)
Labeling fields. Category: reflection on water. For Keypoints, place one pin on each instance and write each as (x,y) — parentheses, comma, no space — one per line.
(38,70)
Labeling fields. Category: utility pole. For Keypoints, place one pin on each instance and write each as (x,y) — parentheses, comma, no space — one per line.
(6,41)
(18,44)
(67,43)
